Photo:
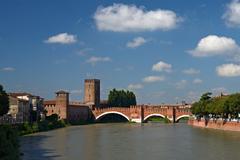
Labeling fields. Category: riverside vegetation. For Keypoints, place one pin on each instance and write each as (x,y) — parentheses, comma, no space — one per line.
(51,122)
(226,107)
(9,135)
(9,143)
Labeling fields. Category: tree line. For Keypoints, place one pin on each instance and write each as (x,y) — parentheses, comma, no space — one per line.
(217,107)
(9,142)
(121,98)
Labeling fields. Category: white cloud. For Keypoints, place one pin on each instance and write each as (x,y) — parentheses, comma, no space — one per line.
(181,84)
(162,66)
(197,81)
(8,69)
(228,70)
(135,86)
(93,60)
(215,45)
(136,42)
(232,14)
(84,51)
(130,18)
(62,38)
(151,79)
(191,71)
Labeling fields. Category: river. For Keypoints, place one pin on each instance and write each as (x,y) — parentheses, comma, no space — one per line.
(124,141)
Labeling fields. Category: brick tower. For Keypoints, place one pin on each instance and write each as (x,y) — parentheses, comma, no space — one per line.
(92,92)
(62,101)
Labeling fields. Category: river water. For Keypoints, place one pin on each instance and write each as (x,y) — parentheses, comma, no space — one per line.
(124,141)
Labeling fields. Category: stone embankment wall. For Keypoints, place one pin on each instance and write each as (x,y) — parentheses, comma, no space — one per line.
(216,124)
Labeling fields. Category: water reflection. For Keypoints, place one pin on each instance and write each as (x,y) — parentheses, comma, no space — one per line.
(32,148)
(132,141)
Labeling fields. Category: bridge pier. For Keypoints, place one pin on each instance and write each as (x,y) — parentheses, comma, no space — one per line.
(139,120)
(136,114)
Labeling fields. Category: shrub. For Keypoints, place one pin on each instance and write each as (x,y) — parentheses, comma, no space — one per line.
(9,143)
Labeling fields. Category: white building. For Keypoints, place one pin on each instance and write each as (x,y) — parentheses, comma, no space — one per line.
(25,106)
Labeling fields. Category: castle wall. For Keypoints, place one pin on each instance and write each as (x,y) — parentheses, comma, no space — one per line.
(79,113)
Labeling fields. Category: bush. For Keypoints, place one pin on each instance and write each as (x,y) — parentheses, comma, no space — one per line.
(28,128)
(9,143)
(43,126)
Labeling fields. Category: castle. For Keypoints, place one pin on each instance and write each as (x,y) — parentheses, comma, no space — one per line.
(76,111)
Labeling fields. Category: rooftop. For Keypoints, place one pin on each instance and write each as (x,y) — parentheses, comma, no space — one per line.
(62,92)
(49,102)
(89,80)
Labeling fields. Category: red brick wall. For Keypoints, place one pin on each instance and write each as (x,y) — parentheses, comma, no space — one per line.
(229,126)
(78,113)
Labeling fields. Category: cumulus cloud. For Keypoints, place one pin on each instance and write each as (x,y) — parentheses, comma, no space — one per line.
(215,45)
(93,60)
(136,42)
(162,66)
(62,38)
(197,81)
(130,18)
(232,14)
(181,84)
(191,71)
(152,79)
(8,69)
(228,70)
(135,86)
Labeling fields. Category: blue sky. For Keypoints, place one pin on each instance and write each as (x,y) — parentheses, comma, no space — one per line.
(165,51)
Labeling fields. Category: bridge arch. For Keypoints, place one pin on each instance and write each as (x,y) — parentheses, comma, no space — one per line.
(182,116)
(111,112)
(153,115)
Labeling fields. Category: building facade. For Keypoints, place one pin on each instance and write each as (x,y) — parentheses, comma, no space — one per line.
(71,111)
(76,111)
(25,107)
(92,92)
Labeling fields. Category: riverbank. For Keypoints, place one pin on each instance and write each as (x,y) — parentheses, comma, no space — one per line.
(216,124)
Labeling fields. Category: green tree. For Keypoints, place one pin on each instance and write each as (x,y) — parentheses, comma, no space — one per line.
(9,143)
(4,101)
(232,105)
(52,118)
(206,96)
(223,106)
(121,98)
(200,108)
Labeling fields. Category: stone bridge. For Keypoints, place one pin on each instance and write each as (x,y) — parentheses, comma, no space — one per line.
(141,113)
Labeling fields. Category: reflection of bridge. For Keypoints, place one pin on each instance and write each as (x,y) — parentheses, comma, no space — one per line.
(141,113)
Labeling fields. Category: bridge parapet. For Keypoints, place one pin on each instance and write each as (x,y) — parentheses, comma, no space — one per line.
(139,113)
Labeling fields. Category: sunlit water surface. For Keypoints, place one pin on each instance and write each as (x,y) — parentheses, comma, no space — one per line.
(124,141)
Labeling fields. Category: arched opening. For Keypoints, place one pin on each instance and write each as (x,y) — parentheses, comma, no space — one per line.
(182,119)
(156,118)
(112,117)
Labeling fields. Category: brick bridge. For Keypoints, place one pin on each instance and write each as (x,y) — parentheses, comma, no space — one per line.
(141,113)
